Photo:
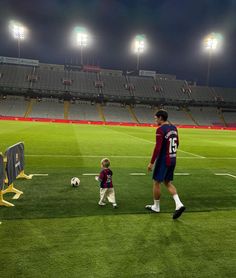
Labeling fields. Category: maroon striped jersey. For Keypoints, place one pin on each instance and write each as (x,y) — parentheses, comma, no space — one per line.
(105,178)
(167,142)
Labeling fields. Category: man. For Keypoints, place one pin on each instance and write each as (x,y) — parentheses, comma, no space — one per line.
(164,156)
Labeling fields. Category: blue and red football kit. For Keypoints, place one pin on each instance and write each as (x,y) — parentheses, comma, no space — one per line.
(105,178)
(164,154)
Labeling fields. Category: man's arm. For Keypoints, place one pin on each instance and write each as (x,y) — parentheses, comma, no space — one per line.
(157,149)
(177,138)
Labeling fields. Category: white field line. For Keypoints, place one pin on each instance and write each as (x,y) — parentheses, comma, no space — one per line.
(85,156)
(221,158)
(193,154)
(181,174)
(123,156)
(225,174)
(90,174)
(38,175)
(153,143)
(137,174)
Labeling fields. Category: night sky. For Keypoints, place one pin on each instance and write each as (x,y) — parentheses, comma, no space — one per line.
(174,30)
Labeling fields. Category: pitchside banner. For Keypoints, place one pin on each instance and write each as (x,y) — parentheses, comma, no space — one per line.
(15,161)
(1,173)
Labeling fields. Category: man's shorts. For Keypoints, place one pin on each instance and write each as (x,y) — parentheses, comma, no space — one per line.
(162,172)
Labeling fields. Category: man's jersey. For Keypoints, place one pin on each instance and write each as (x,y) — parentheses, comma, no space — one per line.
(105,178)
(167,142)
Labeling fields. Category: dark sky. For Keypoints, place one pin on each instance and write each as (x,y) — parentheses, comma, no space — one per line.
(174,30)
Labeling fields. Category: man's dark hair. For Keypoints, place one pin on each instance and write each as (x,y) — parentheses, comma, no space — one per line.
(163,114)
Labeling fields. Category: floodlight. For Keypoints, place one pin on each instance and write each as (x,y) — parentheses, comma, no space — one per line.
(81,38)
(139,46)
(18,32)
(211,43)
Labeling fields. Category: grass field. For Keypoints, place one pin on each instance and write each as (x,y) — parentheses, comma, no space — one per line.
(55,230)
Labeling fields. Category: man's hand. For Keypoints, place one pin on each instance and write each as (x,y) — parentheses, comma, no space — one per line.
(97,178)
(150,166)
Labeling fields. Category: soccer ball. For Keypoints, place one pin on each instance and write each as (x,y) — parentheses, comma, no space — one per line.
(75,182)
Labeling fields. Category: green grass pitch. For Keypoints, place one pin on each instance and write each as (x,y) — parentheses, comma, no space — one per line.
(55,230)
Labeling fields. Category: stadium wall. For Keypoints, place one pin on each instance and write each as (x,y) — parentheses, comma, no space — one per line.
(48,120)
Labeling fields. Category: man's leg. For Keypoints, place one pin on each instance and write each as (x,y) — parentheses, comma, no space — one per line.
(179,207)
(157,194)
(156,197)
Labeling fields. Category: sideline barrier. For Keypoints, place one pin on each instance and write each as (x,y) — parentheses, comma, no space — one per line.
(62,121)
(15,162)
(2,177)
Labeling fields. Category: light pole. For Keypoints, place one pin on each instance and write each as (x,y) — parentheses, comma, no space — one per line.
(81,38)
(139,46)
(211,44)
(18,32)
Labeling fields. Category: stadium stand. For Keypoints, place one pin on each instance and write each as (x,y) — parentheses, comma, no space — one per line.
(225,94)
(83,110)
(108,95)
(206,116)
(14,75)
(13,106)
(132,113)
(229,117)
(143,87)
(114,112)
(47,108)
(114,85)
(48,79)
(178,116)
(202,93)
(84,82)
(172,89)
(144,113)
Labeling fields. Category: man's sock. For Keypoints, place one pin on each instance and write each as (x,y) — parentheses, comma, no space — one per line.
(178,203)
(157,204)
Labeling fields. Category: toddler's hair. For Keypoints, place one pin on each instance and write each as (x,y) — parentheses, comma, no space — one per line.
(105,162)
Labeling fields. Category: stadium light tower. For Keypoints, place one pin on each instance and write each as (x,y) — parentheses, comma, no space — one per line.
(139,47)
(211,44)
(81,40)
(18,32)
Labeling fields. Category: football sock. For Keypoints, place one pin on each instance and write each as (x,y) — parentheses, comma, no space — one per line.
(157,204)
(178,203)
